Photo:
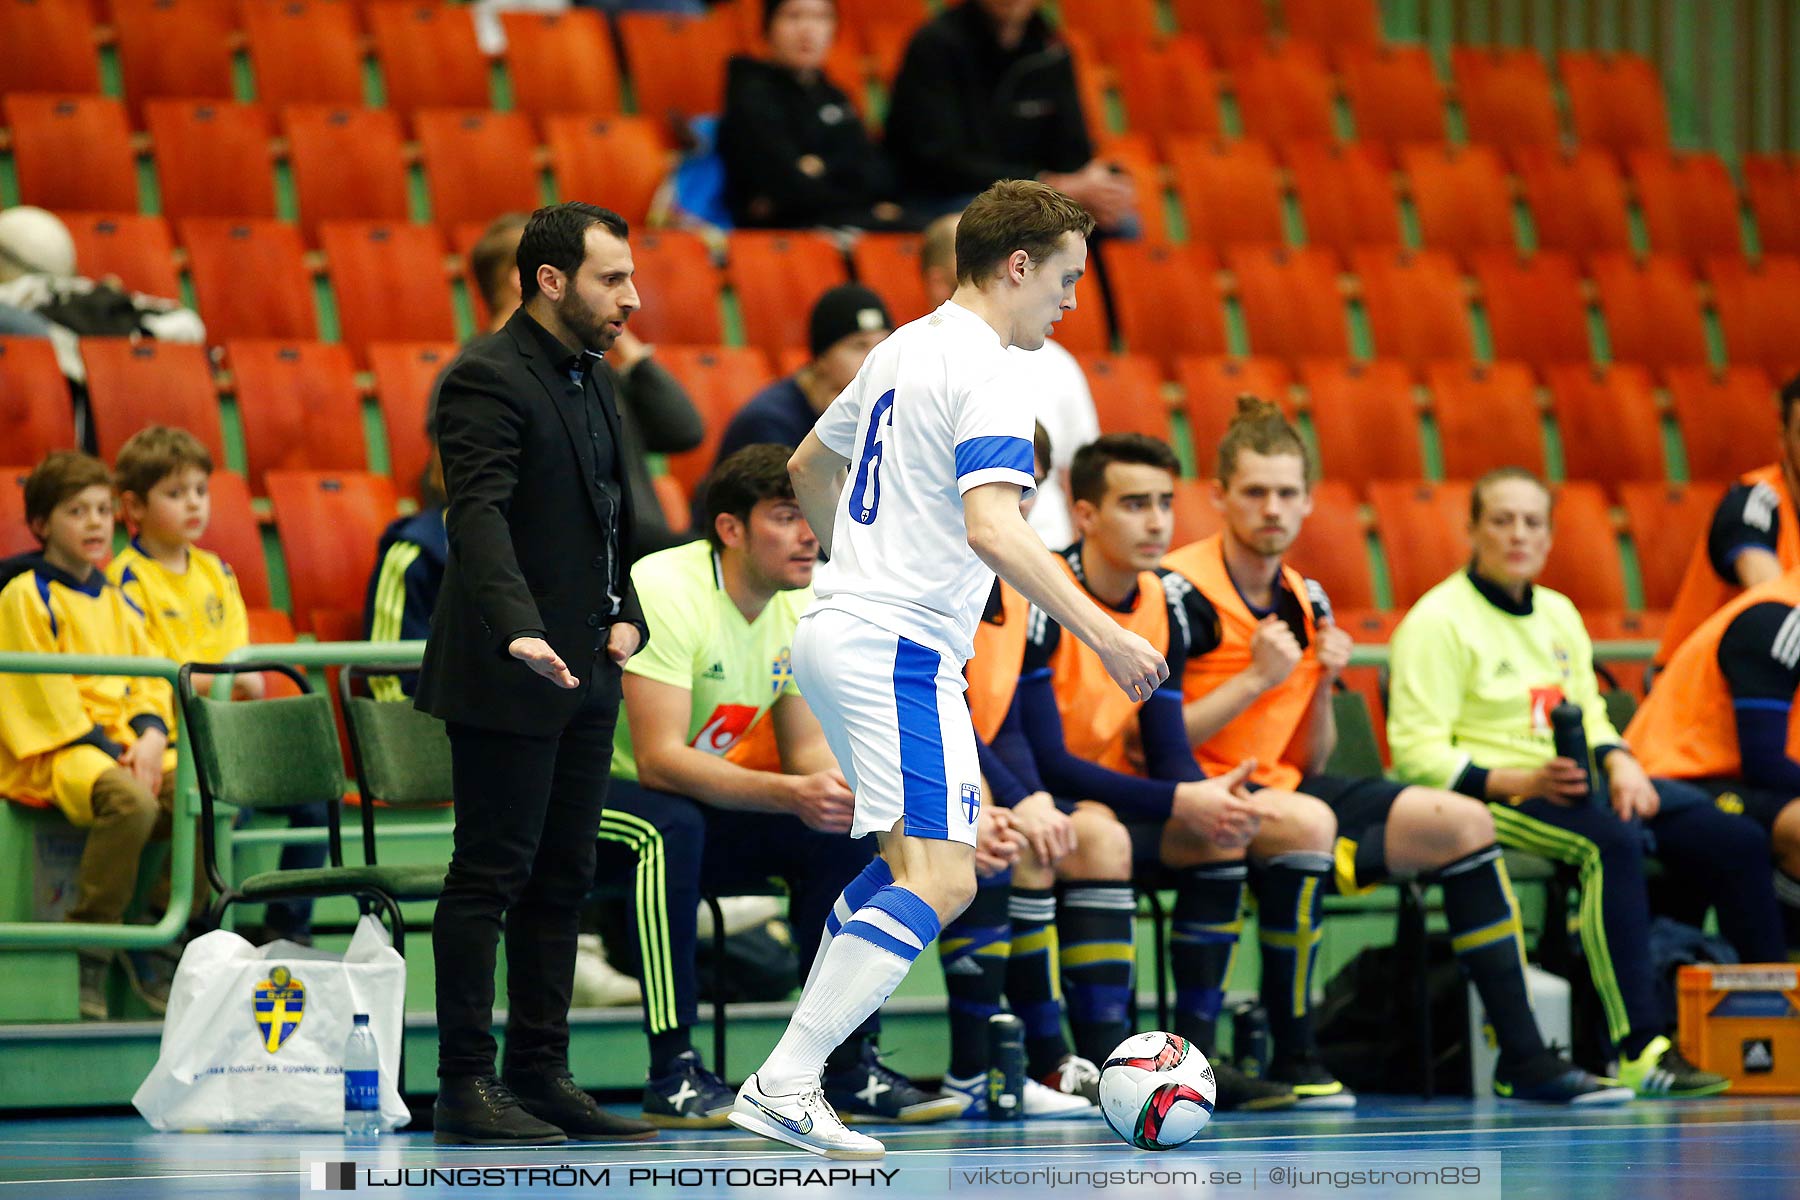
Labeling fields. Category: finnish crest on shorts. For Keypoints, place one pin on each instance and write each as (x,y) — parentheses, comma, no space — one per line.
(280,1002)
(781,670)
(971,801)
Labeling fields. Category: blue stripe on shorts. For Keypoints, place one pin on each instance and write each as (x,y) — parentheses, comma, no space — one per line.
(925,784)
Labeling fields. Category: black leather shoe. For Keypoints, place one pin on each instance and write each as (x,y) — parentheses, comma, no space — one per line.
(482,1111)
(561,1101)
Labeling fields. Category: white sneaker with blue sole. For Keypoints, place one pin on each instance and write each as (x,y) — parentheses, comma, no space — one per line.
(1040,1101)
(806,1120)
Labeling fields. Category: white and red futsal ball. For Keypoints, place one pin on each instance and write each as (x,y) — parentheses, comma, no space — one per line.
(1157,1090)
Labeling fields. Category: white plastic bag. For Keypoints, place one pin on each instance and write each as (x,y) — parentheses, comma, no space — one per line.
(254,1038)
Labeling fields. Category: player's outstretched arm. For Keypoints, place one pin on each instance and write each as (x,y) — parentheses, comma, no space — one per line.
(818,474)
(1000,537)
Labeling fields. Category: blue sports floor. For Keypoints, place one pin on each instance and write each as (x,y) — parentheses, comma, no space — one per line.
(1724,1149)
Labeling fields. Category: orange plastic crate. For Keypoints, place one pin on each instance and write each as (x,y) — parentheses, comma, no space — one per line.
(1744,1023)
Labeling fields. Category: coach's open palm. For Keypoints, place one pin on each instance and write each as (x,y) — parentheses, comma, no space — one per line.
(1133,663)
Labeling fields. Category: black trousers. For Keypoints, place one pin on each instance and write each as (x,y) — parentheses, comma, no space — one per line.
(673,846)
(527,812)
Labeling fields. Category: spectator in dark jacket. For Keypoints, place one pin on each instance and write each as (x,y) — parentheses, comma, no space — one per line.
(795,151)
(986,92)
(655,414)
(847,322)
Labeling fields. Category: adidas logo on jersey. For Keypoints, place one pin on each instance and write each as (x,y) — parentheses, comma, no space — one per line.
(1759,1056)
(715,672)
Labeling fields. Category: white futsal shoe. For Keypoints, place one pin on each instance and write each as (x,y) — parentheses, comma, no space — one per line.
(805,1120)
(1040,1101)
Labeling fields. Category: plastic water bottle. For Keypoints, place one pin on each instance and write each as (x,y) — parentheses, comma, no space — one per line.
(1006,1068)
(362,1082)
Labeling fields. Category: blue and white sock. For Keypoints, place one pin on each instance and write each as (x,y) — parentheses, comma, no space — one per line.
(856,893)
(855,975)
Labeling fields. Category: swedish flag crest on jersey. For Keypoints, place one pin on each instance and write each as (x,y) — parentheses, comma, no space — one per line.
(280,1003)
(781,670)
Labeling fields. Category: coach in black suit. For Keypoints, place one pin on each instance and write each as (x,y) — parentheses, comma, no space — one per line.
(534,621)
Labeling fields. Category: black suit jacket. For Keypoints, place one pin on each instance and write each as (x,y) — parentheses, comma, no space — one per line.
(527,544)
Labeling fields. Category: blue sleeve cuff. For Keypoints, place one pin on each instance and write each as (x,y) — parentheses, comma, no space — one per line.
(147,721)
(1472,782)
(96,737)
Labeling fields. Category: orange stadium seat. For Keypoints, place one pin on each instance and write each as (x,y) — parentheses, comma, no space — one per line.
(136,249)
(1487,417)
(561,62)
(1223,23)
(329,523)
(887,41)
(1584,552)
(1577,201)
(1346,194)
(1333,547)
(1195,515)
(251,279)
(299,405)
(1127,391)
(36,415)
(1667,520)
(1424,532)
(1507,98)
(1611,430)
(1651,309)
(134,384)
(1335,23)
(72,152)
(777,276)
(1166,300)
(1088,64)
(1756,306)
(1462,198)
(1284,97)
(212,158)
(176,48)
(1109,20)
(1631,627)
(304,51)
(48,46)
(348,164)
(860,14)
(1365,419)
(1772,183)
(677,64)
(389,281)
(1415,304)
(1210,390)
(1291,302)
(1395,95)
(477,164)
(679,287)
(1134,154)
(1616,101)
(1169,89)
(1730,420)
(888,264)
(672,498)
(404,378)
(1230,192)
(405,375)
(1535,309)
(234,535)
(615,161)
(1689,202)
(718,379)
(15,535)
(429,55)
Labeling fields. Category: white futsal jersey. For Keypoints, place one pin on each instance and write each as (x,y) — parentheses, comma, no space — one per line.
(939,407)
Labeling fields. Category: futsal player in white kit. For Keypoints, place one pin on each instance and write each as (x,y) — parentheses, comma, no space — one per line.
(935,432)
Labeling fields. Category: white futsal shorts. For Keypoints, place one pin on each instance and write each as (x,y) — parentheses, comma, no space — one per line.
(894,714)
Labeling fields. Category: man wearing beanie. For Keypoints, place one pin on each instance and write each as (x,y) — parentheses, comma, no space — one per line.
(847,323)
